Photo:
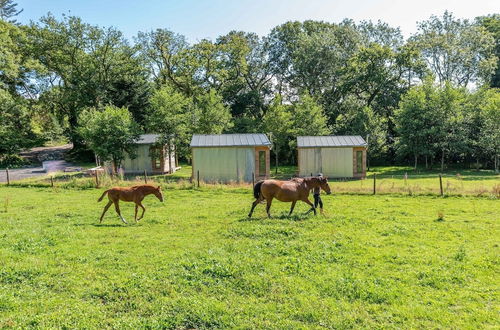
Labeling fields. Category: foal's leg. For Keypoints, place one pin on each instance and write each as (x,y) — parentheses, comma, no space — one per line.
(268,206)
(307,201)
(292,207)
(117,208)
(105,209)
(135,215)
(143,210)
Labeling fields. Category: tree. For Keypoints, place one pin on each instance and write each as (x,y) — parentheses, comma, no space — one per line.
(8,10)
(308,119)
(414,121)
(490,134)
(277,124)
(15,129)
(456,50)
(110,133)
(492,24)
(170,114)
(86,67)
(212,116)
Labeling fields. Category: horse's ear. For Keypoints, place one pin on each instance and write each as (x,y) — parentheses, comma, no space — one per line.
(159,188)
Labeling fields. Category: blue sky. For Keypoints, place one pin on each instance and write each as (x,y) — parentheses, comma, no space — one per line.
(211,18)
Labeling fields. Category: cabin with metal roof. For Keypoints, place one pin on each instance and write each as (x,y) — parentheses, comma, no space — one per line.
(152,157)
(333,156)
(230,157)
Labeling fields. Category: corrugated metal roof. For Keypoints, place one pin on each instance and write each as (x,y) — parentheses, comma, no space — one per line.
(147,138)
(330,141)
(229,140)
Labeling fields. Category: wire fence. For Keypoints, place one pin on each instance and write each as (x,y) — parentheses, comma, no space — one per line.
(375,184)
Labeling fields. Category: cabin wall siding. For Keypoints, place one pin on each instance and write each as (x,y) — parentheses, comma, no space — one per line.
(224,164)
(334,162)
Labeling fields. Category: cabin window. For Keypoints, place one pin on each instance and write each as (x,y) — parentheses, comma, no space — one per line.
(262,163)
(359,161)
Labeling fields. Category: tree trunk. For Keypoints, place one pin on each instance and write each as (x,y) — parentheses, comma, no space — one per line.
(496,163)
(426,164)
(169,159)
(477,163)
(416,159)
(276,152)
(442,160)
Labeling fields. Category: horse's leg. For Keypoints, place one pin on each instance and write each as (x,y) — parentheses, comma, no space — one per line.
(117,208)
(268,206)
(143,210)
(292,207)
(105,210)
(135,215)
(254,204)
(307,201)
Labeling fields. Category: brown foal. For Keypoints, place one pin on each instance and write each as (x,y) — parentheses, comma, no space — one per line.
(287,191)
(130,194)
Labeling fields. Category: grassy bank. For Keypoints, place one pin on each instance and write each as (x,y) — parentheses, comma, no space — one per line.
(196,261)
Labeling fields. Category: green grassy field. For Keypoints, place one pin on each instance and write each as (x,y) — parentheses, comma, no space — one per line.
(196,261)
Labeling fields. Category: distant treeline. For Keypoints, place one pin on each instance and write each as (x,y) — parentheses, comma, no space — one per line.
(432,98)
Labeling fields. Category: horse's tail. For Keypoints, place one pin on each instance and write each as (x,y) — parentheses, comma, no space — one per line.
(102,196)
(256,189)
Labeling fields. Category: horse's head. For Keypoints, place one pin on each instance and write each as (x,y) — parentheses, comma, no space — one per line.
(158,193)
(323,183)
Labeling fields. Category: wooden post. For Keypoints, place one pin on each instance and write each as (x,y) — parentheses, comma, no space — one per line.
(374,184)
(96,179)
(441,184)
(145,177)
(52,181)
(198,178)
(253,179)
(8,178)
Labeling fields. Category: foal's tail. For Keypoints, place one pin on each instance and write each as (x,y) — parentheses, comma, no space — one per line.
(102,196)
(256,189)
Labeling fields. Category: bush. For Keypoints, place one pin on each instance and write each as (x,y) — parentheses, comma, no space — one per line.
(12,161)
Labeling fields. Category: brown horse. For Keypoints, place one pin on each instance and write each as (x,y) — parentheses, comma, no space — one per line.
(288,191)
(130,194)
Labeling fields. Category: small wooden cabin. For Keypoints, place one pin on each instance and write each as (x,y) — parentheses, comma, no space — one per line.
(230,157)
(334,156)
(150,156)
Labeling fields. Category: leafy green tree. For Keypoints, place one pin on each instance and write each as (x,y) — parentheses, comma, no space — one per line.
(8,10)
(87,66)
(362,120)
(308,119)
(489,139)
(277,124)
(456,50)
(414,122)
(212,116)
(110,133)
(492,24)
(170,114)
(15,128)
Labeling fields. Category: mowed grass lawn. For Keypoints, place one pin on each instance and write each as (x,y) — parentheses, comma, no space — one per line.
(196,261)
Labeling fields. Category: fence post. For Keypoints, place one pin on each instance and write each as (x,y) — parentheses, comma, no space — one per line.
(145,177)
(52,181)
(441,184)
(198,177)
(96,179)
(374,183)
(8,178)
(253,179)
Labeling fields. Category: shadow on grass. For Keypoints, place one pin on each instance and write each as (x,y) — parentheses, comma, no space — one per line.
(103,224)
(282,216)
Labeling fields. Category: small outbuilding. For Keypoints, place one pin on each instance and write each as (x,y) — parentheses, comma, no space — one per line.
(230,157)
(151,157)
(334,156)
